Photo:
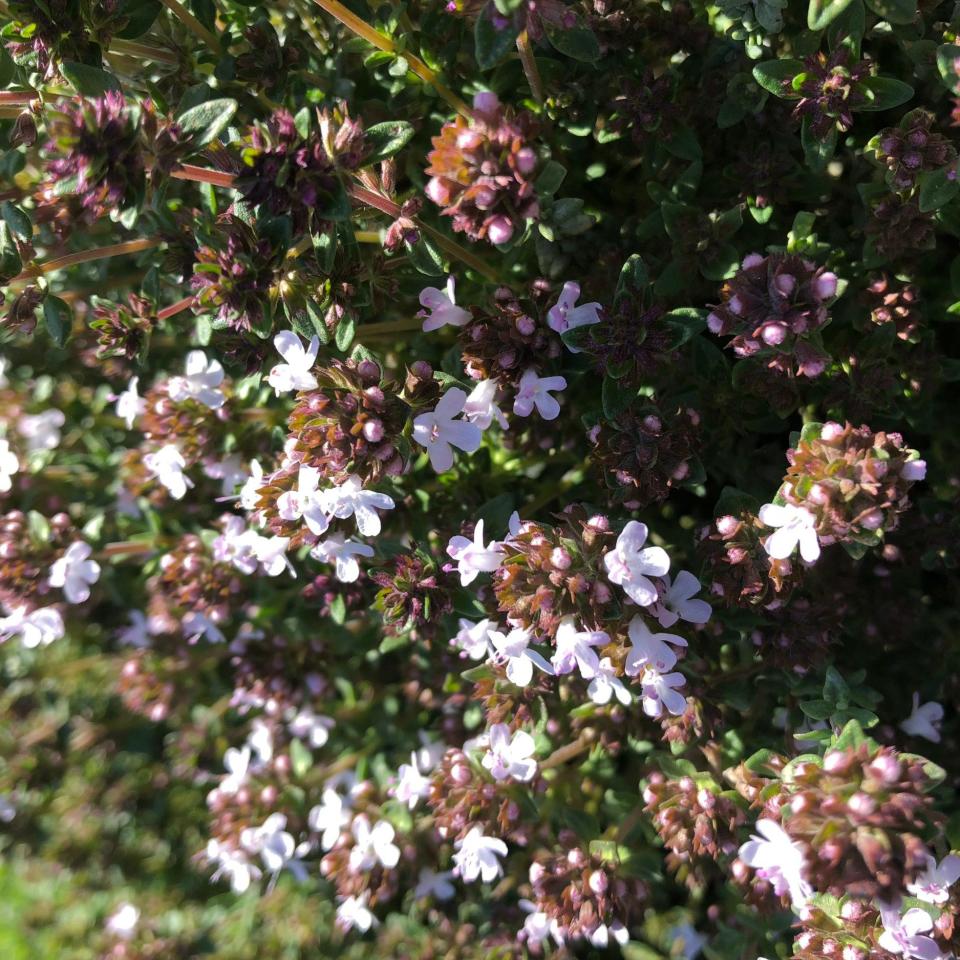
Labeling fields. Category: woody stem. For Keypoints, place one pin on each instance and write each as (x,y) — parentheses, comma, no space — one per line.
(192,24)
(571,750)
(530,68)
(176,308)
(451,247)
(142,50)
(85,256)
(187,171)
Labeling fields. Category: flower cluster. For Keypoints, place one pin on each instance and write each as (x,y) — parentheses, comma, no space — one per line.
(96,157)
(482,171)
(772,307)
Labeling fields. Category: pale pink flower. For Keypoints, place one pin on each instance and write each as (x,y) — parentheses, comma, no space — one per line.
(477,855)
(566,315)
(343,553)
(796,527)
(473,557)
(201,381)
(510,757)
(74,572)
(777,858)
(295,373)
(630,564)
(441,308)
(533,392)
(440,432)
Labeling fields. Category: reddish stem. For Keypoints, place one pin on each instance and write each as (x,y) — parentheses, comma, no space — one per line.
(187,171)
(176,308)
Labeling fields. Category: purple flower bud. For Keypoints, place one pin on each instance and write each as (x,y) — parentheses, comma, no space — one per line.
(500,230)
(373,431)
(914,470)
(773,334)
(526,325)
(862,804)
(438,191)
(885,767)
(825,286)
(598,882)
(785,283)
(526,160)
(486,102)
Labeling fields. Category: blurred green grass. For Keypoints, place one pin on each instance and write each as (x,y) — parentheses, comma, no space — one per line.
(14,900)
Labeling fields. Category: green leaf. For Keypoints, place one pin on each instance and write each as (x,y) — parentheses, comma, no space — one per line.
(89,81)
(884,93)
(490,44)
(732,502)
(58,319)
(337,206)
(775,77)
(18,222)
(759,762)
(852,735)
(346,330)
(386,139)
(550,177)
(393,642)
(578,42)
(139,16)
(301,758)
(946,57)
(683,143)
(338,609)
(632,280)
(821,15)
(425,257)
(10,262)
(206,121)
(818,153)
(894,11)
(676,767)
(615,398)
(937,188)
(483,672)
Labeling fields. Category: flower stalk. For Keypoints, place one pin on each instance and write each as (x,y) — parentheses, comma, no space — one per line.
(87,256)
(192,24)
(530,68)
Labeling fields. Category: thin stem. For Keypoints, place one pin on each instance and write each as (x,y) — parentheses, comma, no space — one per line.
(11,98)
(451,247)
(455,250)
(301,246)
(85,256)
(530,67)
(187,171)
(192,24)
(142,50)
(382,42)
(167,312)
(124,548)
(571,750)
(391,326)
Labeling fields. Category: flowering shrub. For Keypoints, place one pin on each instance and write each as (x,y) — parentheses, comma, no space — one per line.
(478,480)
